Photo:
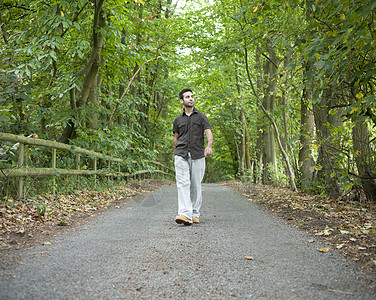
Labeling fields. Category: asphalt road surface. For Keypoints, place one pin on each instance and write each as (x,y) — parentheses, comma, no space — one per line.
(137,251)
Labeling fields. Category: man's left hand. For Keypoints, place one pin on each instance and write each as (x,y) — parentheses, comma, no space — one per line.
(208,151)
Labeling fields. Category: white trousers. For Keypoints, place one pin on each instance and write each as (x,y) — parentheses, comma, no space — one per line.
(189,174)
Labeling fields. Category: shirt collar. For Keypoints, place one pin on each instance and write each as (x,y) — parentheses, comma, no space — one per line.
(195,111)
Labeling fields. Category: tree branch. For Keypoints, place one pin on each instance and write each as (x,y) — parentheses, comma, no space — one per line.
(9,6)
(134,77)
(361,177)
(269,59)
(126,90)
(75,18)
(287,160)
(3,29)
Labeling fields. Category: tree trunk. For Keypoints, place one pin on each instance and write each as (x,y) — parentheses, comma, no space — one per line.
(327,170)
(363,158)
(364,154)
(307,130)
(248,164)
(244,157)
(307,120)
(270,80)
(258,166)
(90,71)
(286,117)
(266,113)
(242,144)
(94,100)
(3,29)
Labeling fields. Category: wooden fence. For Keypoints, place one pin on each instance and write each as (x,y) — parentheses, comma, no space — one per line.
(22,171)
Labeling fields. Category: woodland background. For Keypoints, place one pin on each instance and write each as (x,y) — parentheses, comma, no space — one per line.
(289,86)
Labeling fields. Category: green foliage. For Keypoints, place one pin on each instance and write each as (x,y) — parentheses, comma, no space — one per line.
(278,175)
(62,223)
(41,208)
(218,49)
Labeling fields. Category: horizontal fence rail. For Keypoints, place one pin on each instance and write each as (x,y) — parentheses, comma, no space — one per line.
(22,172)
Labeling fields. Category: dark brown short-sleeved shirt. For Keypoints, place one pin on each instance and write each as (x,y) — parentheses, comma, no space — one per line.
(191,134)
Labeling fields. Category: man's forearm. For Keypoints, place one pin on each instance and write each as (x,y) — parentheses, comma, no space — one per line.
(175,140)
(209,139)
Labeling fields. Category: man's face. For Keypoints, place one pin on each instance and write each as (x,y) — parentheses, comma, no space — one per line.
(188,99)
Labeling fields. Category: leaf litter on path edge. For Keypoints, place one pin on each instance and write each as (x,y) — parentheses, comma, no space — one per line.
(342,225)
(34,221)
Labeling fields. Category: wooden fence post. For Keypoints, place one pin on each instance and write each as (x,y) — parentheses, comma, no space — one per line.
(77,165)
(95,169)
(109,167)
(21,161)
(54,167)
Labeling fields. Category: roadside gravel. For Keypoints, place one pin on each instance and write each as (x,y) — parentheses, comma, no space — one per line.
(137,251)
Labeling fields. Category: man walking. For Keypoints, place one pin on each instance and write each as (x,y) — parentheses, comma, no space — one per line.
(189,146)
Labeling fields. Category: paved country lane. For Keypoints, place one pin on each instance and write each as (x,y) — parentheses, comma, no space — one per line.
(137,251)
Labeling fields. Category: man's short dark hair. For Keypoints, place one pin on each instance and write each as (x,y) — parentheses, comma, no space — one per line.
(184,91)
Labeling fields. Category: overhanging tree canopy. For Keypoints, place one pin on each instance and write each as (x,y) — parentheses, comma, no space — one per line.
(288,86)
